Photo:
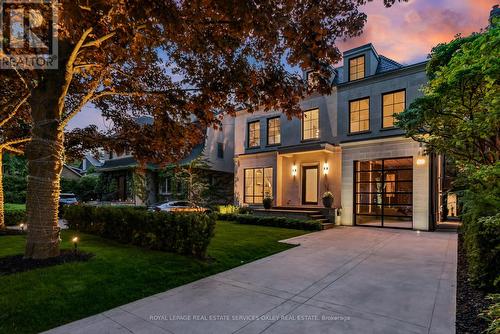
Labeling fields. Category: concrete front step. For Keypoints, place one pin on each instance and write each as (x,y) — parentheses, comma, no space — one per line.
(327,226)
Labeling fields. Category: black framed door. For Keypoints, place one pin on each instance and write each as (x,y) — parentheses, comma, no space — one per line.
(383,193)
(310,180)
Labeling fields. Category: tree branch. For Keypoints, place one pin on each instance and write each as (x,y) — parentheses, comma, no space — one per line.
(16,109)
(12,149)
(68,77)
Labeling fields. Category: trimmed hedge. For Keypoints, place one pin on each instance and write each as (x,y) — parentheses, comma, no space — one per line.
(182,233)
(14,216)
(482,241)
(308,225)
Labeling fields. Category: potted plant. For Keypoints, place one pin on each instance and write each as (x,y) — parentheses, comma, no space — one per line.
(268,202)
(327,199)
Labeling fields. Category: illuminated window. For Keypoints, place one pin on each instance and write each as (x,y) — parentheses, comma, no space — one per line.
(258,184)
(254,134)
(357,68)
(273,131)
(392,103)
(359,115)
(310,124)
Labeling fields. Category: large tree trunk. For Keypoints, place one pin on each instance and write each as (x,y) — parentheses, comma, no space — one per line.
(2,216)
(45,161)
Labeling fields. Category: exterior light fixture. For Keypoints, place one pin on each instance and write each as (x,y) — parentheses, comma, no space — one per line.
(294,170)
(326,168)
(75,243)
(420,158)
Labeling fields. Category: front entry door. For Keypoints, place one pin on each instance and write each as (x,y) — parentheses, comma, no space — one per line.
(310,185)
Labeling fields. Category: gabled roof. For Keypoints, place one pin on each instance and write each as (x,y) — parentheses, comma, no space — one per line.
(386,64)
(118,164)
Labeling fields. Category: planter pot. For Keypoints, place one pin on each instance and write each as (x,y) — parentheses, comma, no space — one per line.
(327,202)
(268,203)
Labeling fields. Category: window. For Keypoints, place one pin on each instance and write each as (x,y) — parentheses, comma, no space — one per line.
(359,115)
(312,78)
(254,134)
(310,124)
(258,184)
(392,103)
(356,68)
(220,150)
(273,131)
(165,186)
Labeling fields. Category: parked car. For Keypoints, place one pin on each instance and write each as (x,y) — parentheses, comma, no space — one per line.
(67,199)
(177,206)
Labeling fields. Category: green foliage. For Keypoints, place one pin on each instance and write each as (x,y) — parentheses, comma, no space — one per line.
(14,214)
(482,195)
(85,188)
(459,115)
(308,225)
(492,314)
(14,188)
(183,233)
(482,241)
(225,209)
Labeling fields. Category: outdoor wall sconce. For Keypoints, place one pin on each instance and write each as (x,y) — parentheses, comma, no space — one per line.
(420,157)
(326,168)
(294,170)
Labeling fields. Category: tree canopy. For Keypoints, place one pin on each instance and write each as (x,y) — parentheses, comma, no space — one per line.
(459,114)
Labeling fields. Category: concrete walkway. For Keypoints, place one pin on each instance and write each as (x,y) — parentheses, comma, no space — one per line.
(344,280)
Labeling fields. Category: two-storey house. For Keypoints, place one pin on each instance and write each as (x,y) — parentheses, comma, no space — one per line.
(345,143)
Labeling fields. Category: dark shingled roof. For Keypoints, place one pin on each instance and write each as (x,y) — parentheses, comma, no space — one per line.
(116,164)
(386,64)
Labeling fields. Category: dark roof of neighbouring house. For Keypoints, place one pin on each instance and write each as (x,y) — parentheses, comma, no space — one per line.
(117,164)
(74,170)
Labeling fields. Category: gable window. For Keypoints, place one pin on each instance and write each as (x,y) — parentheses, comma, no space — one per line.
(273,131)
(312,78)
(220,150)
(392,103)
(310,124)
(258,183)
(356,68)
(254,134)
(359,115)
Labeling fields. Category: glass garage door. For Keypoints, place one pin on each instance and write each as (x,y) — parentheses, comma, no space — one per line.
(383,192)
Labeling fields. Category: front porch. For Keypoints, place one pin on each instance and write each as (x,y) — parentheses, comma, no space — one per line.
(324,215)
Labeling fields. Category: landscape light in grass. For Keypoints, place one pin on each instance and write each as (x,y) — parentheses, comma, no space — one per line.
(75,243)
(22,227)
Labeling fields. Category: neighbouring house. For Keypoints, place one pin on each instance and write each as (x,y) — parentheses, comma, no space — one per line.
(71,173)
(125,181)
(90,162)
(345,143)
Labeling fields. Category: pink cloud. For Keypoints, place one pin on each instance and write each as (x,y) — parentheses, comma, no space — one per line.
(407,31)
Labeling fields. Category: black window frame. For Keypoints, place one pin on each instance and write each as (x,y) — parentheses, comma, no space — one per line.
(349,67)
(369,116)
(267,131)
(248,134)
(263,178)
(302,125)
(382,108)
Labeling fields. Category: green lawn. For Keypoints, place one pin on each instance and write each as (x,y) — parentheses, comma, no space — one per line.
(11,206)
(44,298)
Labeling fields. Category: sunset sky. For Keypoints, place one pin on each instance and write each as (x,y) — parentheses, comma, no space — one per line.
(405,32)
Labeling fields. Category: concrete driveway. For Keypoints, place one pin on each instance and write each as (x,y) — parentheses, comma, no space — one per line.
(343,280)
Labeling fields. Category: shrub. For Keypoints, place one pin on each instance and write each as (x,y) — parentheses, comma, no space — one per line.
(183,233)
(14,215)
(482,242)
(244,210)
(308,225)
(224,209)
(492,314)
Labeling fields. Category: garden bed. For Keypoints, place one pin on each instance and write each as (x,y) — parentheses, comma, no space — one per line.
(470,301)
(17,263)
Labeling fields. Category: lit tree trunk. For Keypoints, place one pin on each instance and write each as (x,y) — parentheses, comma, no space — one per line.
(45,161)
(2,216)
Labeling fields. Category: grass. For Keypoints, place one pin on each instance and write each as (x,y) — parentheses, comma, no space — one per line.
(45,298)
(11,206)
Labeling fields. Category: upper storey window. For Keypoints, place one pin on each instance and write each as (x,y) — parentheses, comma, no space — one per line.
(359,115)
(254,134)
(393,103)
(356,68)
(310,124)
(273,131)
